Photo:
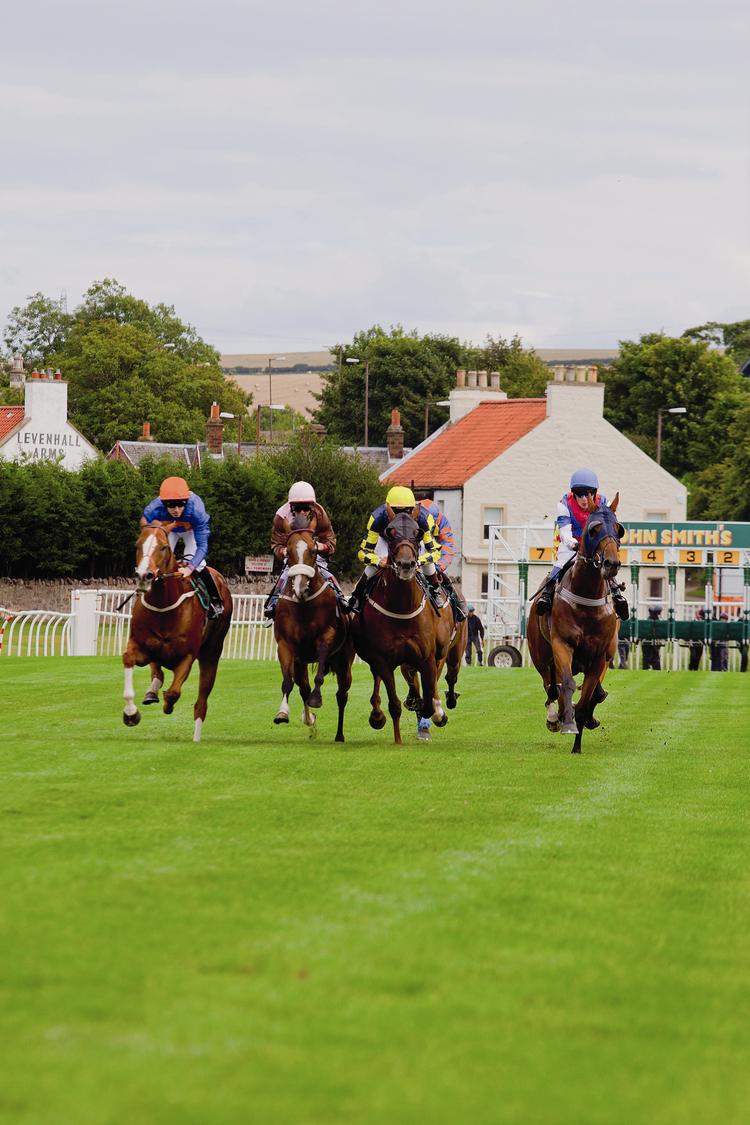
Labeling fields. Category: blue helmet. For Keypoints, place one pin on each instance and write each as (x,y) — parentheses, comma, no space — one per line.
(584,478)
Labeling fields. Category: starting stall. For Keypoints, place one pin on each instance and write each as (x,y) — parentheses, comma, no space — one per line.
(688,586)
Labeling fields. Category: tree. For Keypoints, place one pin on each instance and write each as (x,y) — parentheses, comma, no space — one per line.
(406,371)
(127,362)
(658,372)
(37,329)
(720,492)
(735,338)
(522,373)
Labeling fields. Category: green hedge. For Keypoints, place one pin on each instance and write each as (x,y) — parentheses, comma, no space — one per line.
(57,523)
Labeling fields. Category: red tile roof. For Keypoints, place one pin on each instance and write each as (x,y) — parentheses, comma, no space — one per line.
(466,446)
(10,416)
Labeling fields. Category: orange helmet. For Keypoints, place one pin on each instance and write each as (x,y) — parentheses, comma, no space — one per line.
(174,488)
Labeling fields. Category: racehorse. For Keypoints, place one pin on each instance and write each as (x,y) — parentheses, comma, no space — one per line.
(398,626)
(170,629)
(310,626)
(580,634)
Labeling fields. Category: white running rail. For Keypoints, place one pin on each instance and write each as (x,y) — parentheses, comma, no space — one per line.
(35,632)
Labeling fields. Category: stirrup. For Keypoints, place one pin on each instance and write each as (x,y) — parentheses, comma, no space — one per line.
(215,609)
(543,603)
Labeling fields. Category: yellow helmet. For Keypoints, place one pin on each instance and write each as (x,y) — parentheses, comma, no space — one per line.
(400,497)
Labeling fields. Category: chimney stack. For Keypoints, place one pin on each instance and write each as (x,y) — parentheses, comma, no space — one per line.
(17,373)
(395,437)
(146,435)
(215,433)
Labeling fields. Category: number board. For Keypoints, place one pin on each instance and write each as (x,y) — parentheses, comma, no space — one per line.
(652,556)
(692,557)
(541,554)
(726,558)
(622,555)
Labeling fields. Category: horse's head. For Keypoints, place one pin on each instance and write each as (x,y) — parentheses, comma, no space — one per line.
(301,553)
(601,538)
(153,554)
(402,537)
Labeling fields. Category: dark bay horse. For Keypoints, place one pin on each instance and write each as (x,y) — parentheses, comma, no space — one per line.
(398,627)
(580,634)
(310,626)
(170,629)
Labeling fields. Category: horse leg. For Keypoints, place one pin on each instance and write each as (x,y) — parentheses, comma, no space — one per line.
(344,680)
(549,678)
(432,708)
(413,701)
(157,682)
(174,691)
(452,668)
(315,698)
(564,664)
(591,693)
(377,719)
(394,703)
(303,683)
(286,660)
(208,670)
(131,716)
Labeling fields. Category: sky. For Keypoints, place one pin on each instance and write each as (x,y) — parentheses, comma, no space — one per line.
(289,173)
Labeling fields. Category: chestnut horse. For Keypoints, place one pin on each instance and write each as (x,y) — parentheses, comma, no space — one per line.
(580,634)
(398,626)
(170,629)
(310,626)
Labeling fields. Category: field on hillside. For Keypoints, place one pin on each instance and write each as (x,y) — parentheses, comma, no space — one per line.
(275,929)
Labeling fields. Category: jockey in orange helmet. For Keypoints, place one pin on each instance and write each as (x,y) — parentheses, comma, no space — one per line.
(190,523)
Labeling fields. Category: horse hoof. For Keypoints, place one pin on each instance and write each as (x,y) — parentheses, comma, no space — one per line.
(413,703)
(576,750)
(569,728)
(592,724)
(377,722)
(450,701)
(131,720)
(314,699)
(424,736)
(440,721)
(554,727)
(282,717)
(150,697)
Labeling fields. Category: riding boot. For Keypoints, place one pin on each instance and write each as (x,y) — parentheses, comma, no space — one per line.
(269,609)
(364,585)
(544,601)
(457,600)
(618,601)
(215,604)
(437,594)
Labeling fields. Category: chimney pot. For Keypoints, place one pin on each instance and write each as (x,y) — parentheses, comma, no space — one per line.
(461,377)
(482,378)
(58,375)
(472,379)
(495,380)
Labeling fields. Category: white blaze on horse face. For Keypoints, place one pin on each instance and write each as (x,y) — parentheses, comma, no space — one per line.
(144,565)
(298,586)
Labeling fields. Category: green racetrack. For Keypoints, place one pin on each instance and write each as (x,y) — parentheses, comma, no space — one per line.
(267,928)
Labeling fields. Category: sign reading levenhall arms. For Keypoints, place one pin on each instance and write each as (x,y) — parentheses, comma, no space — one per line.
(42,432)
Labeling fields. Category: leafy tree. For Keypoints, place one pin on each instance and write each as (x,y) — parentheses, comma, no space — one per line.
(735,337)
(721,491)
(522,373)
(658,372)
(405,372)
(37,329)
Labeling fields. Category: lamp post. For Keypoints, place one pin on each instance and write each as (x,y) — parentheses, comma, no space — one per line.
(659,412)
(271,359)
(352,359)
(427,405)
(226,414)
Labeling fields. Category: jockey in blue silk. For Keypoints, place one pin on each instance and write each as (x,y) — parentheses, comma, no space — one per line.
(373,550)
(569,527)
(189,523)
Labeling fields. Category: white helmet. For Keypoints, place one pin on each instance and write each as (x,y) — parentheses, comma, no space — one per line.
(300,492)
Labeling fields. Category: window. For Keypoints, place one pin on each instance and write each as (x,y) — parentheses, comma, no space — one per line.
(491,516)
(485,583)
(656,589)
(656,517)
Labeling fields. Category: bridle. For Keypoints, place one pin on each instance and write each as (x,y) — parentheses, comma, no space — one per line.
(301,570)
(596,533)
(151,574)
(402,534)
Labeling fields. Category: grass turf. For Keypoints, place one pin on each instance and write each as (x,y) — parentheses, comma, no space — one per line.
(269,928)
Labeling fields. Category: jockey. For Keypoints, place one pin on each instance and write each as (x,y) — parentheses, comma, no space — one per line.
(186,513)
(569,527)
(374,553)
(301,501)
(444,535)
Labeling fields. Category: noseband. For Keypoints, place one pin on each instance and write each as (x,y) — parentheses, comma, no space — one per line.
(608,530)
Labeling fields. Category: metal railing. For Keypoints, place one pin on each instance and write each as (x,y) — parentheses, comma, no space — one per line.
(35,632)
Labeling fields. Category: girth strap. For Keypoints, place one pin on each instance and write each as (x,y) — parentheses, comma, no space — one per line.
(576,599)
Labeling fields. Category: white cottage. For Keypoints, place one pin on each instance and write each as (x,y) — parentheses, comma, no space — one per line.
(39,430)
(501,461)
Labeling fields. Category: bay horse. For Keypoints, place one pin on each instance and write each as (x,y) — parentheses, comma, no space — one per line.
(171,629)
(310,626)
(398,627)
(580,634)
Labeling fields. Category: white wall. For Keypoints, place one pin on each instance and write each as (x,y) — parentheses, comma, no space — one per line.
(46,434)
